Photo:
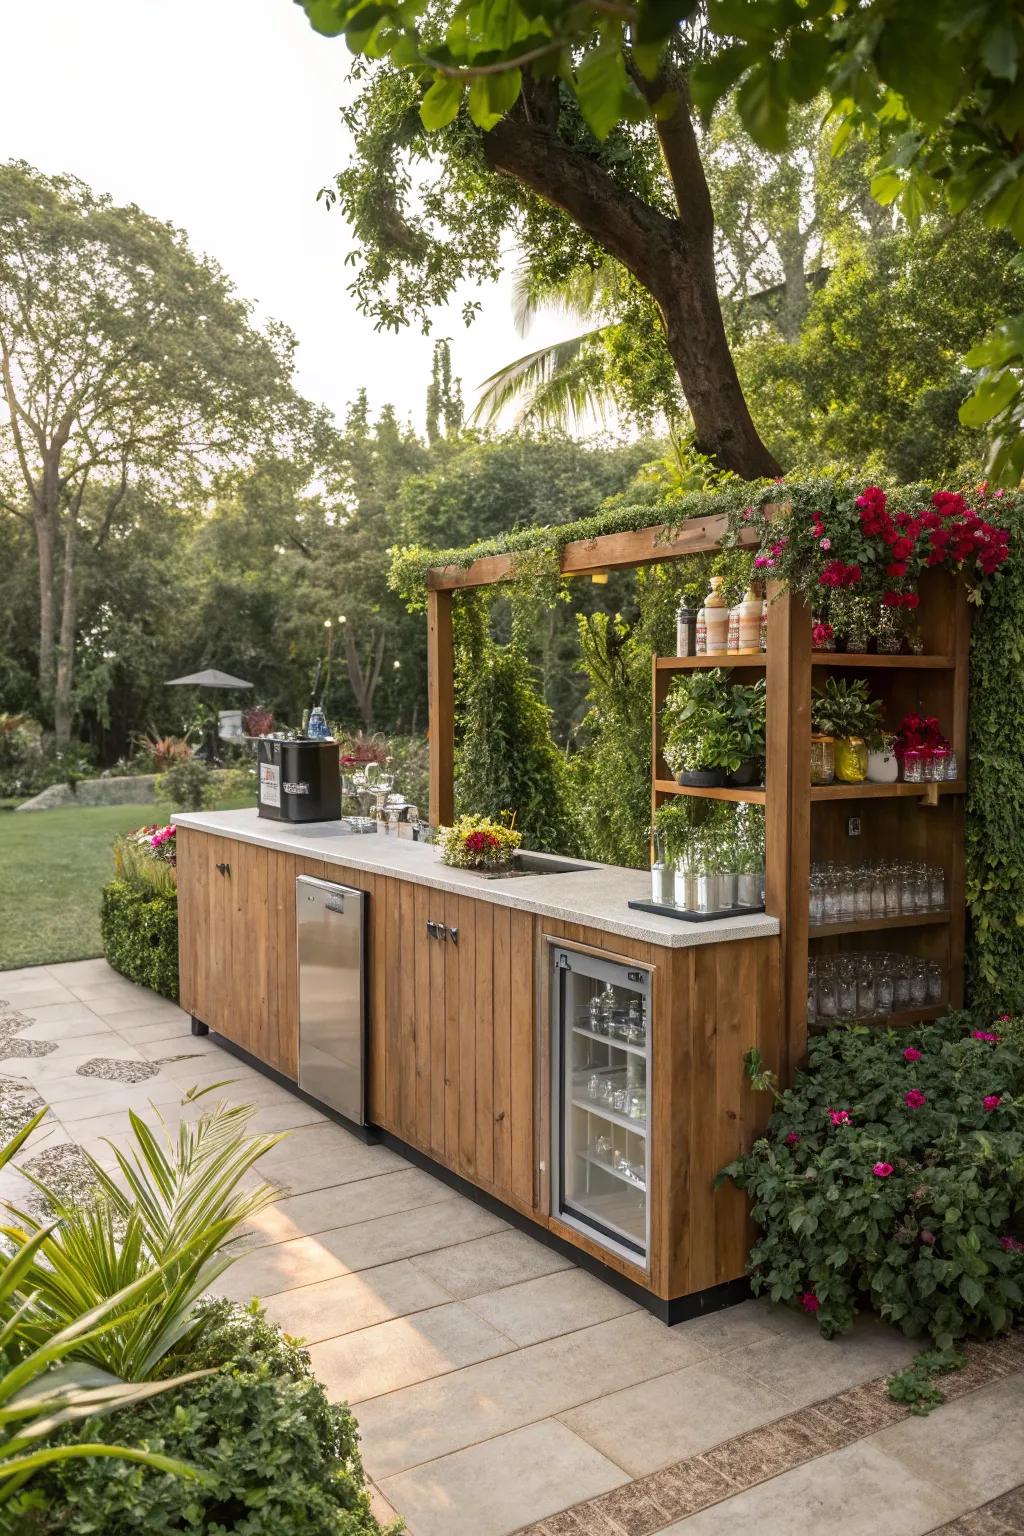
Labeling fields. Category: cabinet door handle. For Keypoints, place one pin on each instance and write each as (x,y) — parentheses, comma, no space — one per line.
(455,935)
(431,929)
(442,932)
(224,869)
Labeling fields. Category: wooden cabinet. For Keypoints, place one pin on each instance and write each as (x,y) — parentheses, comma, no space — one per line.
(454,1061)
(237,965)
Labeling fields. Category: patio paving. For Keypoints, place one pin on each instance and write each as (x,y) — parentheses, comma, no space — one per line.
(498,1387)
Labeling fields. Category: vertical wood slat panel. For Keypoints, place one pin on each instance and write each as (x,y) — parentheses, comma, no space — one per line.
(502,1047)
(522,1046)
(735,1033)
(701,1144)
(377,949)
(394,997)
(437,952)
(484,1042)
(670,1121)
(191,878)
(468,911)
(453,1010)
(407,1009)
(421,1013)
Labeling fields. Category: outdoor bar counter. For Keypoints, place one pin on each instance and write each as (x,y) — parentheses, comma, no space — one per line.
(487,1055)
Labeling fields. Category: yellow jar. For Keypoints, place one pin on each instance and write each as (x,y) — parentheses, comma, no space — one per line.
(851,759)
(823,767)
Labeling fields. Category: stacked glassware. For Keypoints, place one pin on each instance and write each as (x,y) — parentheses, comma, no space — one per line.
(871,985)
(847,893)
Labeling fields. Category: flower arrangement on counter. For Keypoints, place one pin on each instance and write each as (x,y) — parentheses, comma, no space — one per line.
(147,856)
(478,842)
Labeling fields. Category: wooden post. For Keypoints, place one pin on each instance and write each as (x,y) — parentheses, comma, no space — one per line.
(441,707)
(788,808)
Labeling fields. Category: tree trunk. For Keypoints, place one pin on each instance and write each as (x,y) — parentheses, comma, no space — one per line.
(673,258)
(795,292)
(47,610)
(66,649)
(363,680)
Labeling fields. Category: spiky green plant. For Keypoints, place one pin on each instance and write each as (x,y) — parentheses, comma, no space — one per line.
(161,1221)
(37,1393)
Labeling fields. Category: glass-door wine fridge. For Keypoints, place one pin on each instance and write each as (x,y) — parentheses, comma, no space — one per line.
(601,1074)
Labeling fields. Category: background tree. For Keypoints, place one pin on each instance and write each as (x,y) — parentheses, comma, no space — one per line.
(126,360)
(444,396)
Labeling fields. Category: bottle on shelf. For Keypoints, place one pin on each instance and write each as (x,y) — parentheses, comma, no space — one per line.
(734,631)
(716,619)
(763,634)
(701,633)
(686,630)
(749,613)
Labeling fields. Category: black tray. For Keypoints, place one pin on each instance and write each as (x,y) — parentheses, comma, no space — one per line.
(687,916)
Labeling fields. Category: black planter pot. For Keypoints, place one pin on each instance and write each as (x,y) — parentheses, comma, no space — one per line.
(701,778)
(745,774)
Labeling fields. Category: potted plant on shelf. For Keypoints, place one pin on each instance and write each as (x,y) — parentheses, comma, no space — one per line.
(748,709)
(844,712)
(478,842)
(702,743)
(883,765)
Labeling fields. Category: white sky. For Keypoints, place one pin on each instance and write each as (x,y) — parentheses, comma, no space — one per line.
(222,116)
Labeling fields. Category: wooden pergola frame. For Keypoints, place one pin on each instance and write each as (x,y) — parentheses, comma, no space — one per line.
(583,557)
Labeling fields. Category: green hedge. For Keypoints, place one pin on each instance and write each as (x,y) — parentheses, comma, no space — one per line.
(280,1459)
(140,935)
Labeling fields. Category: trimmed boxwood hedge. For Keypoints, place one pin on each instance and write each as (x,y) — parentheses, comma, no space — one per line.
(140,935)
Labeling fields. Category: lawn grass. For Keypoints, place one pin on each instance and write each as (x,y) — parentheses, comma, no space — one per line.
(53,866)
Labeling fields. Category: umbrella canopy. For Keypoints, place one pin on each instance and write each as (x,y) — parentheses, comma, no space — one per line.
(211,678)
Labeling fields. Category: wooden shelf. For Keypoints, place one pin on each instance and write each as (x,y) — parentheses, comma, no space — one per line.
(889,1021)
(723,659)
(876,924)
(752,796)
(866,659)
(927,793)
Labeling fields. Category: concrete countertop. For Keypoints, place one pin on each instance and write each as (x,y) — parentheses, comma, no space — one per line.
(594,896)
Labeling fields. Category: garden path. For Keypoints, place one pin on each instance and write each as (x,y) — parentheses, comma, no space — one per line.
(498,1387)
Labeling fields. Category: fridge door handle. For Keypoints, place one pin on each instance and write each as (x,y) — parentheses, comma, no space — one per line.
(454,935)
(431,929)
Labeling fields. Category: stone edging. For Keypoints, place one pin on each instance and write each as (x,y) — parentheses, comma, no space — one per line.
(650,1503)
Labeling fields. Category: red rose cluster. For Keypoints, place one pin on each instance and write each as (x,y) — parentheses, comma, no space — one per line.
(951,532)
(480,842)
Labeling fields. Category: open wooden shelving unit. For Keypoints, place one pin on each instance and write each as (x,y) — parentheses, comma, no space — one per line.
(807,823)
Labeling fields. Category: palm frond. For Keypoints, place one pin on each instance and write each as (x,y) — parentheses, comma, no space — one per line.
(580,294)
(557,384)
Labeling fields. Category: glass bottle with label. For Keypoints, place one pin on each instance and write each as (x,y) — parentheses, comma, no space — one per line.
(686,631)
(716,619)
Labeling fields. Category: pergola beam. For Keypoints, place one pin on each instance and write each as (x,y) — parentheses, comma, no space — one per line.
(608,552)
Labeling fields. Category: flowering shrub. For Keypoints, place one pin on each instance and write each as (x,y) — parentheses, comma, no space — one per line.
(476,842)
(891,1177)
(147,857)
(862,542)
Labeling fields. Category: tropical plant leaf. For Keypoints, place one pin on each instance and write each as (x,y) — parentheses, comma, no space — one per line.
(557,384)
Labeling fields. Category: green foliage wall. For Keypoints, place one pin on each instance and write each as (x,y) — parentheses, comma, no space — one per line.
(506,760)
(140,935)
(995,786)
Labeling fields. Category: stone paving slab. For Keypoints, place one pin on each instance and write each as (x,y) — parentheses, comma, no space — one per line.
(498,1387)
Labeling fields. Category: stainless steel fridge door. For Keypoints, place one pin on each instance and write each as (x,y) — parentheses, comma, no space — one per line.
(332,1000)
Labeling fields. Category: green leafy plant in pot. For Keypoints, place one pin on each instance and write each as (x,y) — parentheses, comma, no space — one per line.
(749,717)
(844,711)
(702,744)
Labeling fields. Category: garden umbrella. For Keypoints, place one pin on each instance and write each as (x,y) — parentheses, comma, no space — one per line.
(209,678)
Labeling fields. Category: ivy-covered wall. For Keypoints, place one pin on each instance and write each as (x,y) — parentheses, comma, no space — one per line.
(995,785)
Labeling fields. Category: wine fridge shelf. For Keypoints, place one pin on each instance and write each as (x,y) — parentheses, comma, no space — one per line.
(616,1173)
(592,1107)
(620,1045)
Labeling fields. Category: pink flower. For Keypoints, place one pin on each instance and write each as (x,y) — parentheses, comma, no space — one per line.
(748,513)
(825,543)
(839,1116)
(1004,1018)
(809,1301)
(882,1170)
(914,1098)
(911,1053)
(985,1034)
(760,561)
(1011,1245)
(927,1237)
(992,1101)
(792,1138)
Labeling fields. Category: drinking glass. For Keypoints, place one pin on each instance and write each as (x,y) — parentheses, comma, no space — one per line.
(952,766)
(885,984)
(865,988)
(918,984)
(891,880)
(862,895)
(846,991)
(921,889)
(901,984)
(913,766)
(877,879)
(817,900)
(937,887)
(827,999)
(935,979)
(847,896)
